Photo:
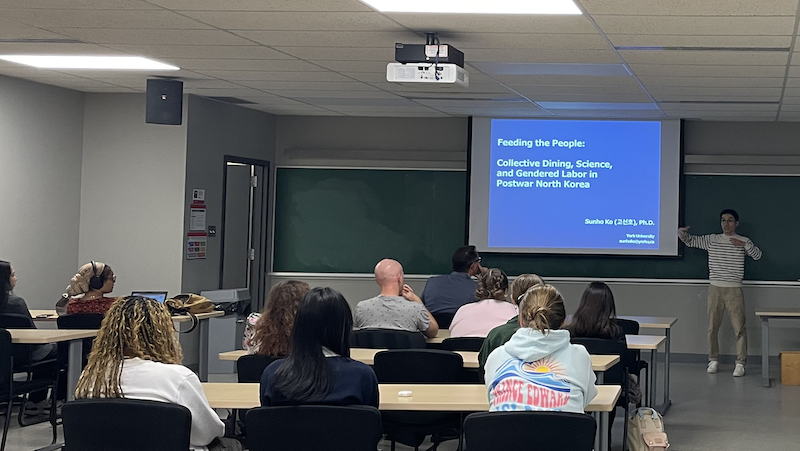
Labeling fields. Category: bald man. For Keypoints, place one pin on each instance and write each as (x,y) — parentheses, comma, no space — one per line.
(397,307)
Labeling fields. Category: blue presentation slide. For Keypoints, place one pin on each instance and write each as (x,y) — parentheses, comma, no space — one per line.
(574,184)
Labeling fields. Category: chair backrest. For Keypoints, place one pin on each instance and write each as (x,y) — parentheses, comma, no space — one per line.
(629,326)
(6,363)
(16,321)
(539,431)
(617,374)
(305,428)
(80,321)
(249,368)
(386,339)
(443,319)
(125,425)
(418,366)
(463,344)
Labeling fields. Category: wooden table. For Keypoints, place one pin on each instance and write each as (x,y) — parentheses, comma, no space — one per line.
(766,315)
(51,315)
(600,363)
(75,356)
(444,397)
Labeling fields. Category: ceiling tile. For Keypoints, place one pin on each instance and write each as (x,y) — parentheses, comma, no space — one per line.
(79,4)
(252,51)
(463,40)
(690,7)
(697,26)
(591,98)
(45,48)
(708,71)
(261,5)
(9,29)
(633,40)
(259,75)
(705,57)
(354,66)
(288,65)
(731,107)
(296,21)
(529,90)
(338,38)
(478,23)
(84,18)
(302,94)
(566,80)
(741,82)
(383,54)
(689,92)
(135,36)
(540,56)
(308,85)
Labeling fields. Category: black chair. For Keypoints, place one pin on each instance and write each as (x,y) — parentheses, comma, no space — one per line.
(387,339)
(526,431)
(636,364)
(616,375)
(463,344)
(44,368)
(79,321)
(11,390)
(305,428)
(249,368)
(419,366)
(443,319)
(125,425)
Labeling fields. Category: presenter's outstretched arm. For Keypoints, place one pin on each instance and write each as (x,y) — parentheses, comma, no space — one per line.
(702,241)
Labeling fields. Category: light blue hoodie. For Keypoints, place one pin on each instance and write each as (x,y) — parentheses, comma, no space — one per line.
(537,371)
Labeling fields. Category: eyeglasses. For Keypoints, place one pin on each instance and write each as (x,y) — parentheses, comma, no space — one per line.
(478,260)
(114,278)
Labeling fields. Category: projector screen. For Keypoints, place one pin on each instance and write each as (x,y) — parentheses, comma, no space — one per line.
(575,186)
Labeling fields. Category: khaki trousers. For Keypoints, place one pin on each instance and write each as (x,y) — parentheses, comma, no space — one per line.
(719,300)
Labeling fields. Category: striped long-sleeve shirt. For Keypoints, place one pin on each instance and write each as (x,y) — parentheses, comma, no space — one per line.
(725,260)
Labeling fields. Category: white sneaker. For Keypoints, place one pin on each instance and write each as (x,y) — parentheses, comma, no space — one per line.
(712,366)
(739,370)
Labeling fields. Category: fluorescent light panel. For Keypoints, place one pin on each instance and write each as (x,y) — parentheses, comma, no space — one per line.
(88,62)
(475,6)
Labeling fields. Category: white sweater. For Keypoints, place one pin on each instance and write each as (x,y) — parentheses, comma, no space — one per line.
(155,381)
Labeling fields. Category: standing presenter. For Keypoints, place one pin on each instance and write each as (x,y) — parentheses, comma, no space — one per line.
(726,254)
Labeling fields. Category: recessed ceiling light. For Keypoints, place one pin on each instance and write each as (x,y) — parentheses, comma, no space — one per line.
(88,62)
(475,6)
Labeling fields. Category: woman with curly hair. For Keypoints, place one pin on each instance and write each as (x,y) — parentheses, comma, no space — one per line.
(136,355)
(478,318)
(269,333)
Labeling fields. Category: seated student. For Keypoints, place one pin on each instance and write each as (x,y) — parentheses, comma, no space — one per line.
(476,319)
(397,306)
(596,314)
(16,305)
(445,294)
(87,290)
(319,369)
(538,368)
(501,334)
(137,356)
(269,333)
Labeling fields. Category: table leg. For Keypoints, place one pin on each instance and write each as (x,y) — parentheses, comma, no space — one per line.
(597,438)
(603,431)
(765,351)
(600,377)
(653,378)
(74,361)
(667,400)
(203,357)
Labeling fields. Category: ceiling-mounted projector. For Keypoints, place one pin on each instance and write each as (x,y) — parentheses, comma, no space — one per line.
(431,63)
(445,74)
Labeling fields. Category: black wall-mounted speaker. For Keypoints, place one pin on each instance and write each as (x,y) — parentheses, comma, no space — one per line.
(164,102)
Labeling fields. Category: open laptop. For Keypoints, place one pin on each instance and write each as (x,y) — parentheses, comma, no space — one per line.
(159,296)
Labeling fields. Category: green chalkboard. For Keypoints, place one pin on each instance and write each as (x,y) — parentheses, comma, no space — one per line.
(346,220)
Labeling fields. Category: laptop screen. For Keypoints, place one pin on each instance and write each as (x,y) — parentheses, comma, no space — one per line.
(159,296)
